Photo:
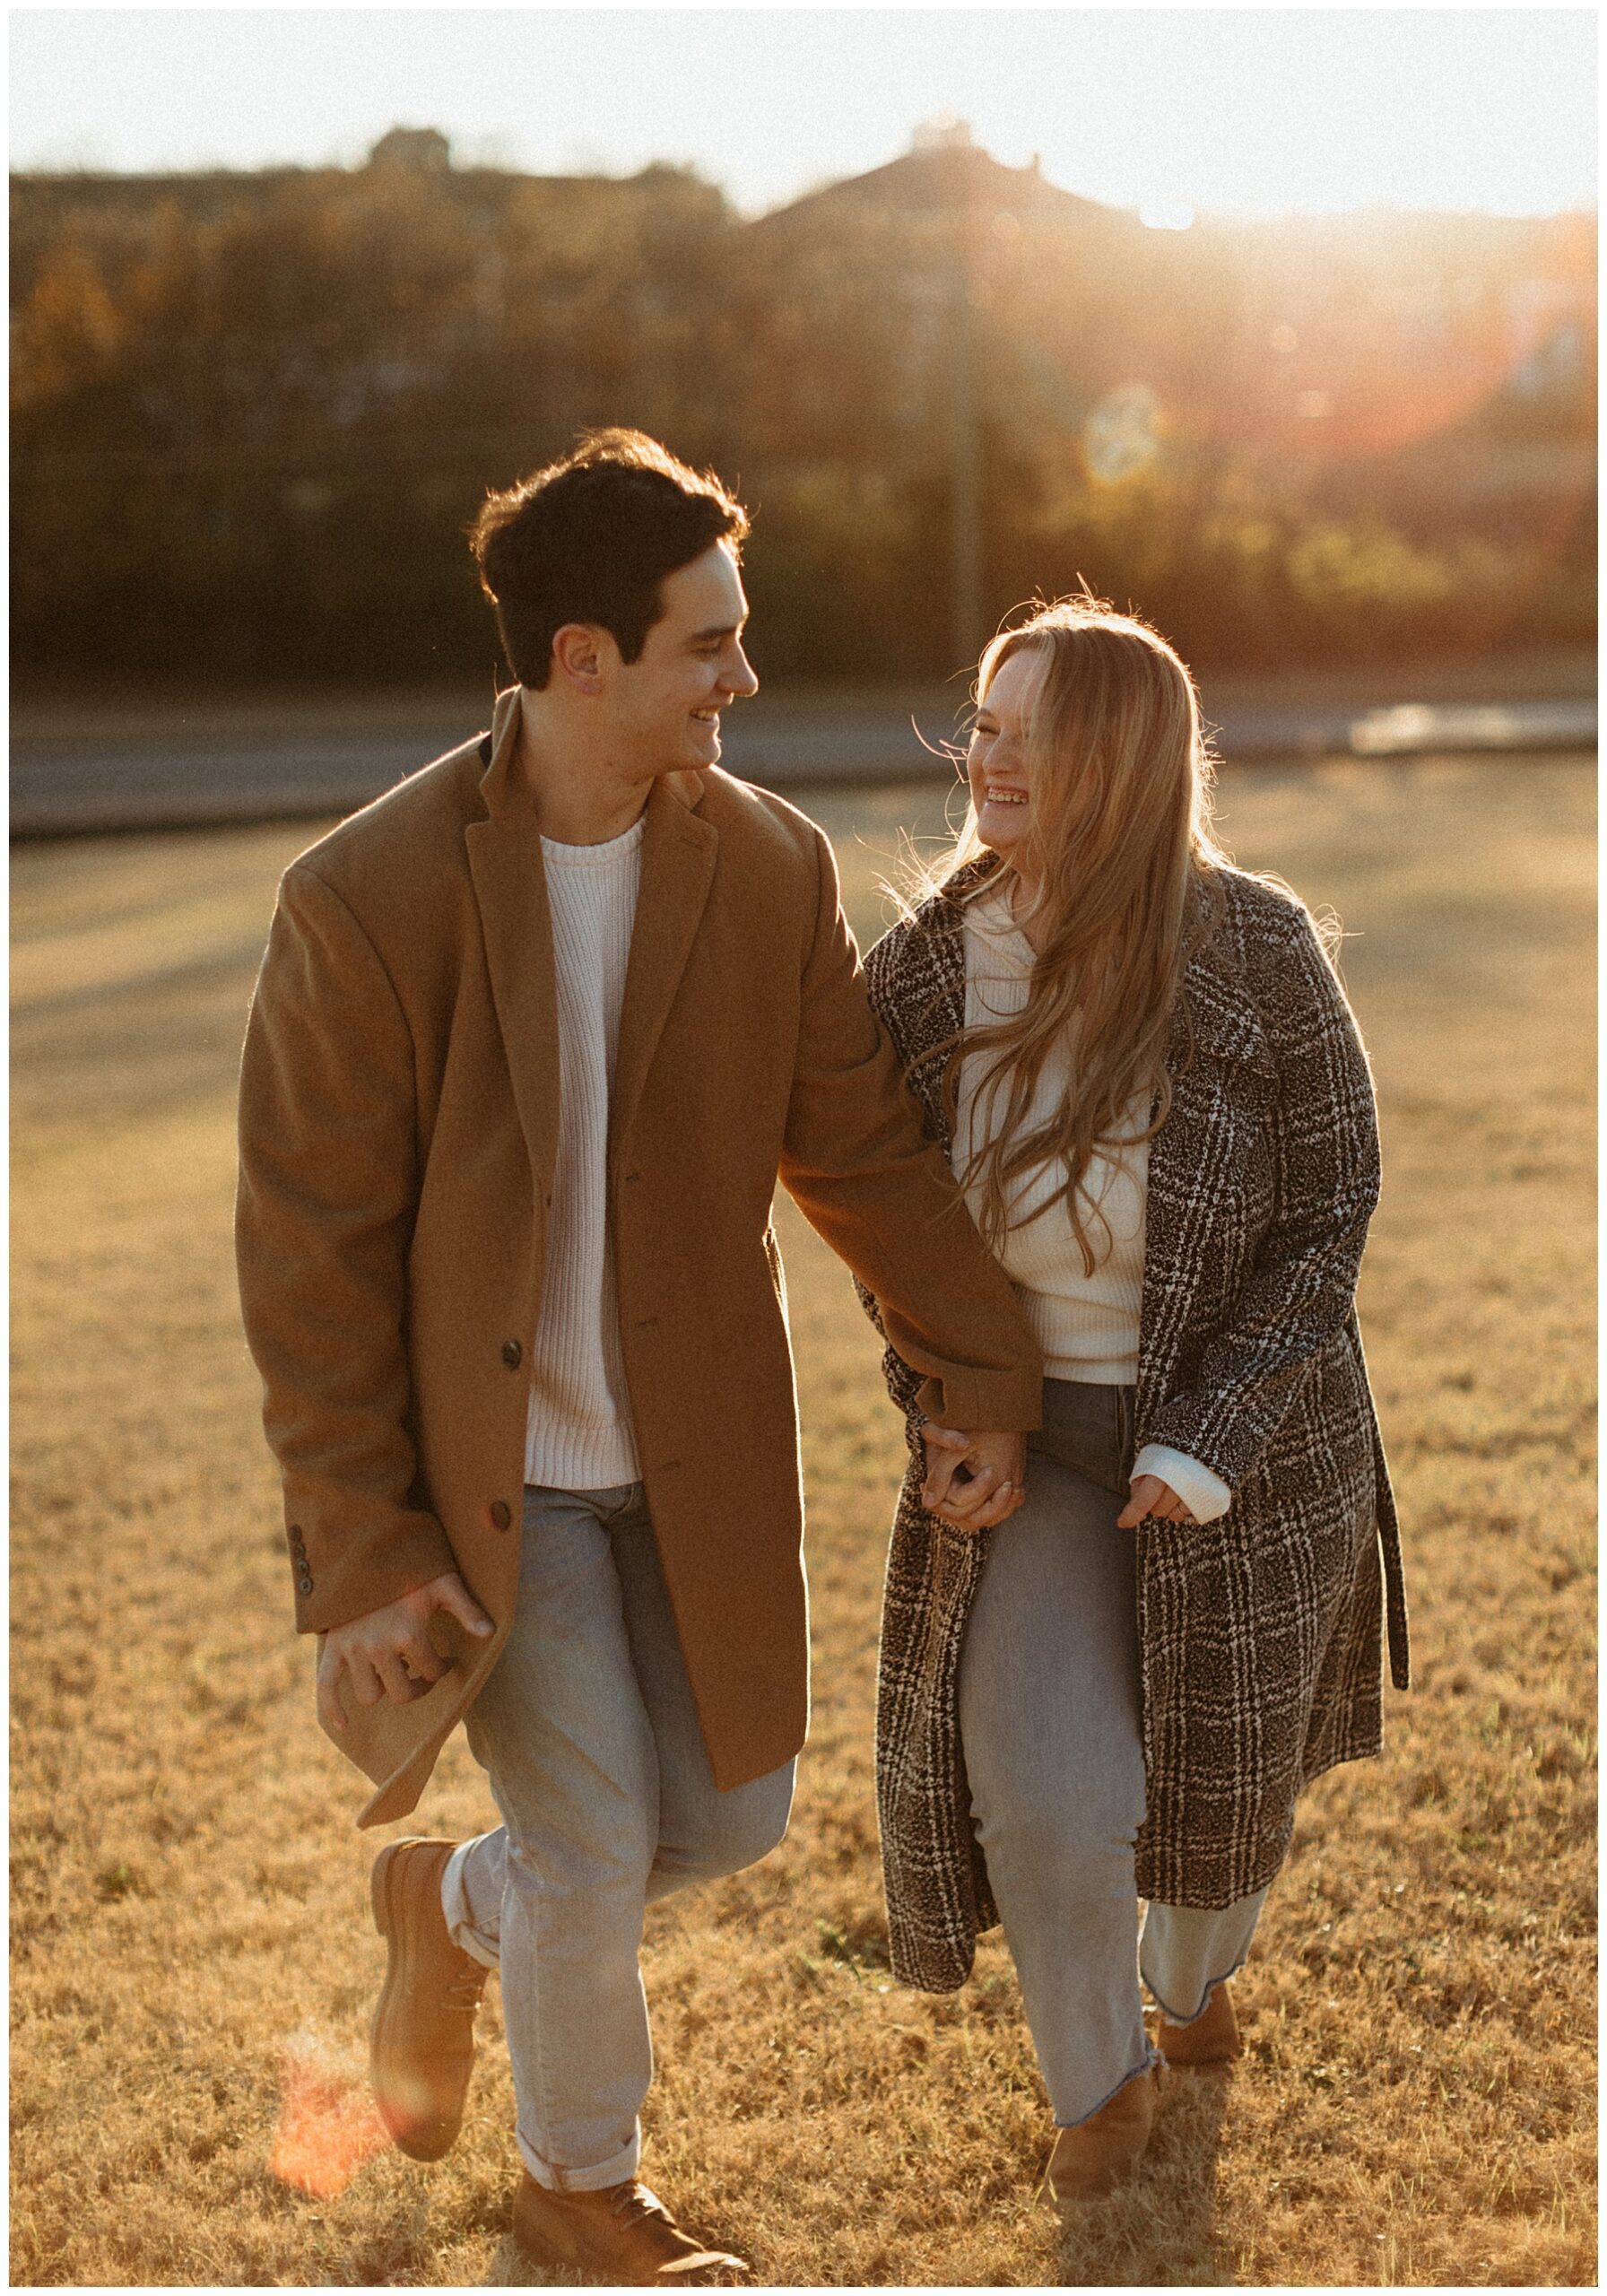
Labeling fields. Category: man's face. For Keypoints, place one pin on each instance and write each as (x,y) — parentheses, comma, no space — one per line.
(666,706)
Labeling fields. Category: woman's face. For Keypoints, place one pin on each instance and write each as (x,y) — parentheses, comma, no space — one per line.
(996,762)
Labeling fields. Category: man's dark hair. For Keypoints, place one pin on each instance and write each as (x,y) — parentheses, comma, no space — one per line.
(591,538)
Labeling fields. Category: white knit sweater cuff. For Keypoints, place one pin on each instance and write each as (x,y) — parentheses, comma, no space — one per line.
(1205,1495)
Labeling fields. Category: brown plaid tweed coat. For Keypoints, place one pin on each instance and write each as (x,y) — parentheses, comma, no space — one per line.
(1259,1633)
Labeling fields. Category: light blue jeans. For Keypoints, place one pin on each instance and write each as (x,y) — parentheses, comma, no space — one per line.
(587,1729)
(1049,1721)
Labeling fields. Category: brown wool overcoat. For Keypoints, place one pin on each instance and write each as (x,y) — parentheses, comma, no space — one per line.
(398,1121)
(1259,1634)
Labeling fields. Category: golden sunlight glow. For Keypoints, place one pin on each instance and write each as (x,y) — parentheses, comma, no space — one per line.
(327,2124)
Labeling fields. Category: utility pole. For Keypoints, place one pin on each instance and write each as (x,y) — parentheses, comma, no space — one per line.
(965,470)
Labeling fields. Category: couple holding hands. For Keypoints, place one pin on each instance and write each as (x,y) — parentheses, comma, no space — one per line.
(535,1037)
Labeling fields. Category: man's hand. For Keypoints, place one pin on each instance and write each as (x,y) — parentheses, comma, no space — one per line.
(388,1653)
(1150,1496)
(973,1481)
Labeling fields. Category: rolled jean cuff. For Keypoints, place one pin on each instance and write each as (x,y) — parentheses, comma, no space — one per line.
(617,2171)
(454,1906)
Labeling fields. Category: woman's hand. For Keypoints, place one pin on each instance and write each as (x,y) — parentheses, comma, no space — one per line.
(995,1477)
(1150,1496)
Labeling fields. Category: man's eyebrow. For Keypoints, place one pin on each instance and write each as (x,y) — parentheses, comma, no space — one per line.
(724,629)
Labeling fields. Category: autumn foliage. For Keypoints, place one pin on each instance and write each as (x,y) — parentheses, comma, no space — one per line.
(252,413)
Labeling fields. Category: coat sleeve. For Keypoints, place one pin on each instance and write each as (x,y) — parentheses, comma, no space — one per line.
(1302,1286)
(903,1384)
(858,1164)
(328,1175)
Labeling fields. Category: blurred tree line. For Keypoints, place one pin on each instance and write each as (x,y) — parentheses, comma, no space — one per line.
(253,413)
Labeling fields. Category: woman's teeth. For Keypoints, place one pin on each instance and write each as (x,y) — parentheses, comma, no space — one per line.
(1006,796)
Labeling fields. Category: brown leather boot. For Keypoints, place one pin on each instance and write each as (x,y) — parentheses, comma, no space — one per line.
(1210,2039)
(422,2044)
(1103,2151)
(623,2236)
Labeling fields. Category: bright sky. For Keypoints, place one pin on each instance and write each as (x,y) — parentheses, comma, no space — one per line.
(1242,111)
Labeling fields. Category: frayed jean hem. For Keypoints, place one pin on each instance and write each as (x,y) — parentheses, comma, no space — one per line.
(1153,2058)
(1195,2015)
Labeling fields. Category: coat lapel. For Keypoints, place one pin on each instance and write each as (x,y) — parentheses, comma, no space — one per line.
(679,850)
(928,1012)
(511,887)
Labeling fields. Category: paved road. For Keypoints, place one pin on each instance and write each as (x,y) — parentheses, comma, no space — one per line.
(66,788)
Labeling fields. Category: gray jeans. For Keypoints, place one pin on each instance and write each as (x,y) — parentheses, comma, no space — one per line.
(588,1731)
(1049,1720)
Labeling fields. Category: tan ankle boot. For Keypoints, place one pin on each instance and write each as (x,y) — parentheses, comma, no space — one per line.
(1209,2038)
(1103,2151)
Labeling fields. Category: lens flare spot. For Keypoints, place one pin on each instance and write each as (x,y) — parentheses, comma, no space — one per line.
(327,2124)
(1121,435)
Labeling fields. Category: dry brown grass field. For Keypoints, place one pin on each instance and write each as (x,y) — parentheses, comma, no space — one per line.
(193,1959)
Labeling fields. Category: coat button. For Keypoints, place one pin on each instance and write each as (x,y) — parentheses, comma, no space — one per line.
(305,1582)
(513,1354)
(501,1514)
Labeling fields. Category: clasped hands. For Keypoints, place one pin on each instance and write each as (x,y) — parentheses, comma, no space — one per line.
(974,1481)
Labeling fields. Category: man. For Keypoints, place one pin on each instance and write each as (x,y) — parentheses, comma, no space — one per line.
(534,1037)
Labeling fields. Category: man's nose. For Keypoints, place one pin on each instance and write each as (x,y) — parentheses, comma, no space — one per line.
(739,678)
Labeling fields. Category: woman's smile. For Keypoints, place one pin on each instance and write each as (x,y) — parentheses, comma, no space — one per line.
(996,760)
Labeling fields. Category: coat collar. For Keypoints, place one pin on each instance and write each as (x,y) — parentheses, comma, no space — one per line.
(499,784)
(679,849)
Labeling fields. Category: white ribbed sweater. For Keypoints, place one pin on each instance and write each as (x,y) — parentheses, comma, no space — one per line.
(1086,1325)
(579,1436)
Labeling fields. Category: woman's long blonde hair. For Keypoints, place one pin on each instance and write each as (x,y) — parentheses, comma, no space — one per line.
(1120,841)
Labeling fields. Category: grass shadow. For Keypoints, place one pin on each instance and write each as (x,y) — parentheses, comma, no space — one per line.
(510,2267)
(1161,2230)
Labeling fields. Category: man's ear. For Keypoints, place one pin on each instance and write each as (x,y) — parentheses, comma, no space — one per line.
(578,651)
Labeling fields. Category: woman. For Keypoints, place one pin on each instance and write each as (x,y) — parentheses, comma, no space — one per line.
(1153,1094)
